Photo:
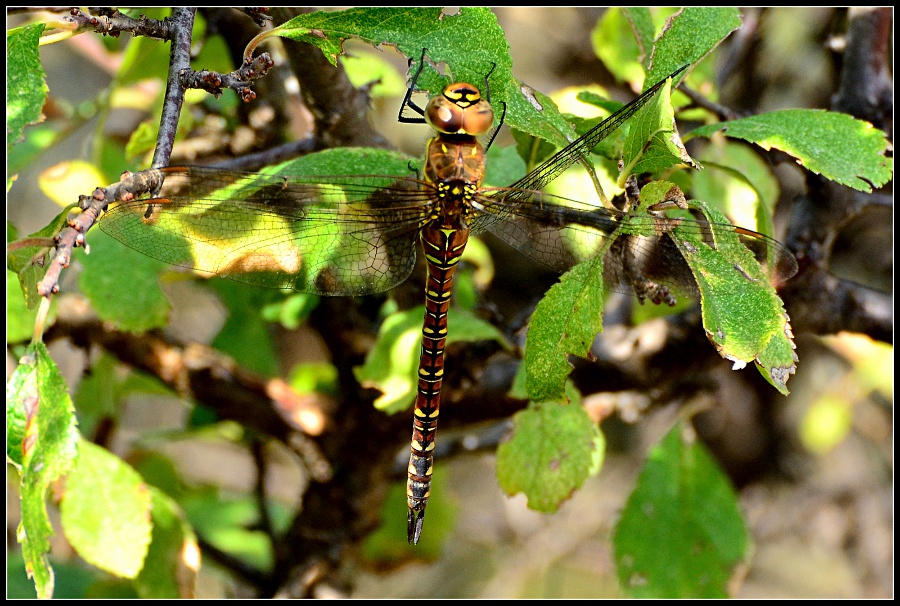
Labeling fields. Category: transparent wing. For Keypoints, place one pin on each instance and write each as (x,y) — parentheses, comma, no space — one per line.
(643,258)
(327,235)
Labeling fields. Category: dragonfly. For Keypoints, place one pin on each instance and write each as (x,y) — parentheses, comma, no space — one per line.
(348,235)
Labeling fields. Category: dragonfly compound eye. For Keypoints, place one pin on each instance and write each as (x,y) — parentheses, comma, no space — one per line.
(460,110)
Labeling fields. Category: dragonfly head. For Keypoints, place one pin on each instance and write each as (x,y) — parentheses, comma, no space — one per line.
(459,110)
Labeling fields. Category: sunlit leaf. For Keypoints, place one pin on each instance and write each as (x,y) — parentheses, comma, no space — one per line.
(836,146)
(101,484)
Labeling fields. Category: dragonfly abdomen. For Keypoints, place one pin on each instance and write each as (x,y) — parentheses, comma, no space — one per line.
(444,241)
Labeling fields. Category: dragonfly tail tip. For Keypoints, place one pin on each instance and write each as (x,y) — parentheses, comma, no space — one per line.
(414,521)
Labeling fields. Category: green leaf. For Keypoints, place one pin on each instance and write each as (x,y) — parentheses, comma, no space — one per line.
(554,448)
(392,364)
(233,525)
(653,144)
(565,322)
(641,20)
(41,441)
(742,314)
(778,361)
(167,566)
(470,42)
(504,165)
(834,145)
(106,512)
(690,35)
(123,285)
(681,532)
(346,161)
(26,88)
(290,311)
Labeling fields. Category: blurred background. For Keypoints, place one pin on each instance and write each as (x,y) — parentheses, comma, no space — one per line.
(814,470)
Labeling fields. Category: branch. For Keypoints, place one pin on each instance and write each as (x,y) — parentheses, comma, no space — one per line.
(110,22)
(237,80)
(866,90)
(182,22)
(340,110)
(196,371)
(131,186)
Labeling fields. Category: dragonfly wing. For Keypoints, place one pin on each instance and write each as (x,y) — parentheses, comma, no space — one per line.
(324,235)
(642,255)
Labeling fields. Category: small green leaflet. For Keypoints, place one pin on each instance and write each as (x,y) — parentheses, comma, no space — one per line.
(834,145)
(166,573)
(690,35)
(554,448)
(565,322)
(681,533)
(653,144)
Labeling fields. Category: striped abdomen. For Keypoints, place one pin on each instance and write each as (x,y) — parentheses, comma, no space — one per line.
(443,238)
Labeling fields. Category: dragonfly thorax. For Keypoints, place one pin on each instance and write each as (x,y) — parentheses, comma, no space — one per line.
(459,110)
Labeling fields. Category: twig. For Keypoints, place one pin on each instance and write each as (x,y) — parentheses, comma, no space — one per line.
(723,112)
(131,186)
(257,450)
(110,22)
(867,88)
(182,22)
(238,80)
(259,14)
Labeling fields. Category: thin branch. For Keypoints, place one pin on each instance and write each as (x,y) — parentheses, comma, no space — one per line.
(110,22)
(259,14)
(71,237)
(257,450)
(182,22)
(867,88)
(721,111)
(237,80)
